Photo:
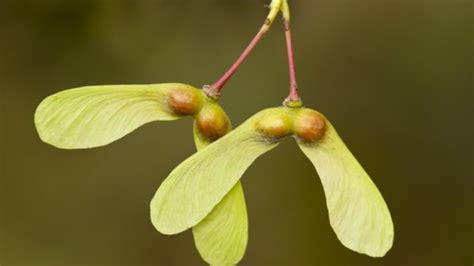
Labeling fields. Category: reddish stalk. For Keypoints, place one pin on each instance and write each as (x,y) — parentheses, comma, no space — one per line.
(293,96)
(218,85)
(214,89)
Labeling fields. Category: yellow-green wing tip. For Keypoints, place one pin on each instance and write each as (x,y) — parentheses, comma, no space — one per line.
(162,223)
(376,248)
(222,236)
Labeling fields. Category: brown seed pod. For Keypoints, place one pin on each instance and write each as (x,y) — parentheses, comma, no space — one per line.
(185,101)
(274,125)
(309,125)
(212,122)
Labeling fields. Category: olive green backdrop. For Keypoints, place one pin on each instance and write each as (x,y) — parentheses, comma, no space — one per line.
(394,77)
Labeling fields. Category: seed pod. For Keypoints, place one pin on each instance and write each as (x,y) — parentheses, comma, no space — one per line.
(274,125)
(212,122)
(309,125)
(185,101)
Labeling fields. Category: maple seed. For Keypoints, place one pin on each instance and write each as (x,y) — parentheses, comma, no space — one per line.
(184,102)
(212,122)
(309,126)
(275,126)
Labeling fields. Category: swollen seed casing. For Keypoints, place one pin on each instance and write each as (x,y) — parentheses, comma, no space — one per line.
(274,125)
(309,125)
(212,122)
(185,101)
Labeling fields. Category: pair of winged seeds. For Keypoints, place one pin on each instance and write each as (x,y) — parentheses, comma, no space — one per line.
(204,192)
(357,211)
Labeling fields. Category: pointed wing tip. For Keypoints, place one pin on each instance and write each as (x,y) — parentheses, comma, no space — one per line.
(165,224)
(378,252)
(165,228)
(219,261)
(375,251)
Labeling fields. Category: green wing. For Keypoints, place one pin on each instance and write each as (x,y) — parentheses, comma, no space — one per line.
(357,212)
(95,116)
(197,185)
(221,238)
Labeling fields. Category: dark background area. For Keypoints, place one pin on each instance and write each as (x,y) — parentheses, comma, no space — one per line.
(394,77)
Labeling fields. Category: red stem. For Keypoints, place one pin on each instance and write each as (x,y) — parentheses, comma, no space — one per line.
(293,95)
(215,88)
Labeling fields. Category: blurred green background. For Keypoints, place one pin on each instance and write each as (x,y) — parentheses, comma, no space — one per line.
(394,77)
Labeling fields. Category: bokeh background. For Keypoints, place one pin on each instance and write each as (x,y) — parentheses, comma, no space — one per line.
(394,77)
